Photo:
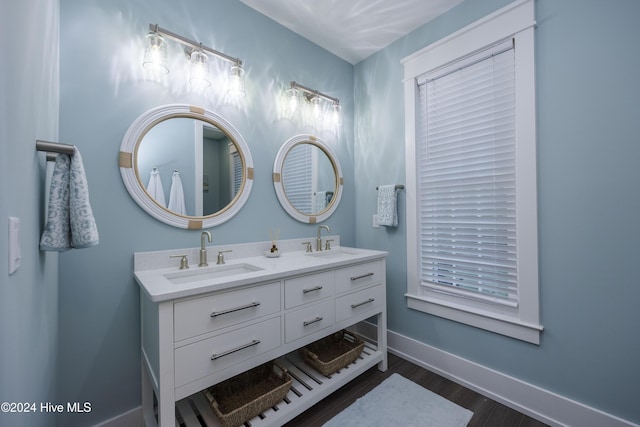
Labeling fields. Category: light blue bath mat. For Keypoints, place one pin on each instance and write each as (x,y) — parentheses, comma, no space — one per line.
(399,402)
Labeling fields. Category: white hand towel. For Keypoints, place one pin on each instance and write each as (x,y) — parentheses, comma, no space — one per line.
(176,196)
(155,188)
(387,206)
(70,221)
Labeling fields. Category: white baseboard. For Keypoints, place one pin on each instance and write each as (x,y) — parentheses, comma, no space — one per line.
(538,403)
(131,418)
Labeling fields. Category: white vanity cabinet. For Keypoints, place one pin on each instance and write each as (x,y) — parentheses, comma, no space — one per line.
(194,339)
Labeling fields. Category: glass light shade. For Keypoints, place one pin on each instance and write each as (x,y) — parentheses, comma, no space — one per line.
(199,69)
(335,114)
(236,81)
(155,55)
(292,100)
(317,107)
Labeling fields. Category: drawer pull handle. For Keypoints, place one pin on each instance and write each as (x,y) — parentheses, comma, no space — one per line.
(233,310)
(310,322)
(370,300)
(361,277)
(306,291)
(228,352)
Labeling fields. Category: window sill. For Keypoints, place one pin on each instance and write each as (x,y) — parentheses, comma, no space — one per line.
(508,326)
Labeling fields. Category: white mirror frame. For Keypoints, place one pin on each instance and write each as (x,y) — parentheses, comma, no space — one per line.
(136,188)
(279,185)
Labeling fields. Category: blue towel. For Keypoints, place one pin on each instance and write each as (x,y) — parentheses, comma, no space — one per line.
(387,206)
(70,221)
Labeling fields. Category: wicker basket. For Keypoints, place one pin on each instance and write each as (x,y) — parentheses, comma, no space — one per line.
(247,395)
(332,353)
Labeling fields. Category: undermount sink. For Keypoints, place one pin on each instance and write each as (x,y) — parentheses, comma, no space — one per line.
(335,253)
(214,272)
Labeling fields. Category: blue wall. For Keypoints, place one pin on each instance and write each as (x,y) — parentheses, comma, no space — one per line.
(28,298)
(587,154)
(588,179)
(103,90)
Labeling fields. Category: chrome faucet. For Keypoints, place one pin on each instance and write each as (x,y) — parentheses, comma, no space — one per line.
(203,249)
(319,240)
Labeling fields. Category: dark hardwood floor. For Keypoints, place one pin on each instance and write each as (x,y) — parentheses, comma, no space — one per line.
(486,412)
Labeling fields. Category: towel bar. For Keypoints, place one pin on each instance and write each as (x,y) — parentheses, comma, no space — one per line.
(54,147)
(398,187)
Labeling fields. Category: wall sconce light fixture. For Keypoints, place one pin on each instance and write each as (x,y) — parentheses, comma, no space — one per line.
(316,99)
(155,59)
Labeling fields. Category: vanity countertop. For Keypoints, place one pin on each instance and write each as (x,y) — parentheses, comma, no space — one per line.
(162,283)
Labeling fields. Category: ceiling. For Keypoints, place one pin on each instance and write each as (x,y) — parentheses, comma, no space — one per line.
(352,29)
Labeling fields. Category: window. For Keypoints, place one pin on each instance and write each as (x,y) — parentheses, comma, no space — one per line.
(236,170)
(471,171)
(297,173)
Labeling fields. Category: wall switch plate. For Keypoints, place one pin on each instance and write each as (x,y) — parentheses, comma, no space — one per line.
(15,251)
(375,221)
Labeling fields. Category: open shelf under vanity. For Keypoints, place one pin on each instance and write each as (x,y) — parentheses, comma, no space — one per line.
(308,388)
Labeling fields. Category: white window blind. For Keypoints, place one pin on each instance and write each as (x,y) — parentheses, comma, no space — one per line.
(297,177)
(467,178)
(236,173)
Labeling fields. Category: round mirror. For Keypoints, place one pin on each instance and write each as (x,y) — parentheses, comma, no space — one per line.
(307,178)
(186,166)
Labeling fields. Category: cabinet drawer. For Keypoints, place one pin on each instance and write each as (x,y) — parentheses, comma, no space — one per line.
(308,320)
(370,299)
(199,315)
(302,290)
(205,357)
(354,277)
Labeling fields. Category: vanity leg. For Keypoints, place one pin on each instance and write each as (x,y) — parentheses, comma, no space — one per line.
(148,416)
(382,339)
(165,396)
(157,363)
